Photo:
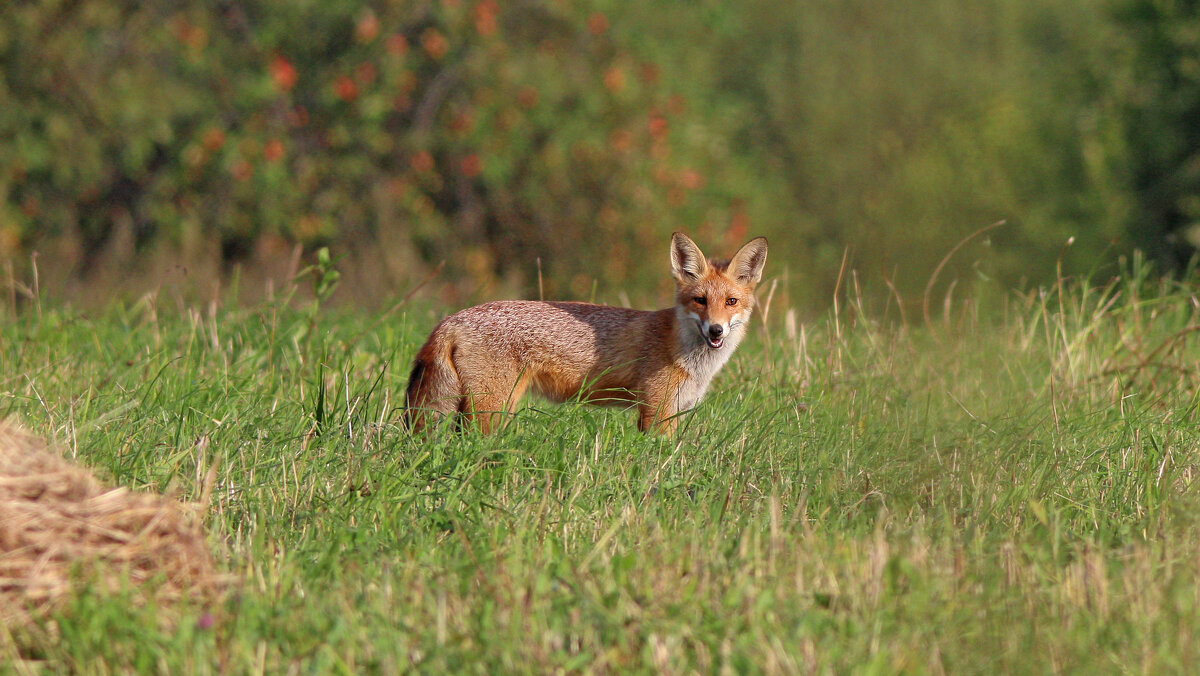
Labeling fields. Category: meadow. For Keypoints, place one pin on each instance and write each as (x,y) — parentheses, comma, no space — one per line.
(1001,483)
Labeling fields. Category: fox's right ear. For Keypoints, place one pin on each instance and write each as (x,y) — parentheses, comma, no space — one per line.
(687,261)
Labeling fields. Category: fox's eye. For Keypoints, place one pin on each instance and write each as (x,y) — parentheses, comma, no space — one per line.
(731,302)
(700,300)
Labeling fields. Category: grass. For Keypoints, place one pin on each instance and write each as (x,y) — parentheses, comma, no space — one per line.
(1005,491)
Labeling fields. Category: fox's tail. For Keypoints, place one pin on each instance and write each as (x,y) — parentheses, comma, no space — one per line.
(433,386)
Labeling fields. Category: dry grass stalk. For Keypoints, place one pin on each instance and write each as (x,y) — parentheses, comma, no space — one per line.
(60,527)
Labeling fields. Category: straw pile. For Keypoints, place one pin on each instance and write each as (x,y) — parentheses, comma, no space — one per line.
(60,528)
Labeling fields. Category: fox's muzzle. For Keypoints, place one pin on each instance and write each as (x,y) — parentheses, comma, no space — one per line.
(715,336)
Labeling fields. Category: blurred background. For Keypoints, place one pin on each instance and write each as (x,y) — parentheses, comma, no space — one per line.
(222,143)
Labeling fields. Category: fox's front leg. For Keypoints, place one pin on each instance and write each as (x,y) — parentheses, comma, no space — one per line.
(657,418)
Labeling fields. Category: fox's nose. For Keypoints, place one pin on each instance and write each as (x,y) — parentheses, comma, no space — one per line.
(716,330)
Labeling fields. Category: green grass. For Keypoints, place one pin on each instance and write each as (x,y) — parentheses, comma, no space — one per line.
(994,492)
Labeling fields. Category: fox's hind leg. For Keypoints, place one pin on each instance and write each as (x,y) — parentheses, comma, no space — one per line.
(490,398)
(434,389)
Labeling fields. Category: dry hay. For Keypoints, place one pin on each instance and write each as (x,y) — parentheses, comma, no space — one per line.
(60,527)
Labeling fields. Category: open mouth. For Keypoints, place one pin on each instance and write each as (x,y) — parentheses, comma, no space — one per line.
(714,343)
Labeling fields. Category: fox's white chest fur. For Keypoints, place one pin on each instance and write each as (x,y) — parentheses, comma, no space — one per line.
(700,361)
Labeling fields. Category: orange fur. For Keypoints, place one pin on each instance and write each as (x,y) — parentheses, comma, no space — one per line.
(480,361)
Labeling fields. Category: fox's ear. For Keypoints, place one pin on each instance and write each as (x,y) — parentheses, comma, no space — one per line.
(747,264)
(687,261)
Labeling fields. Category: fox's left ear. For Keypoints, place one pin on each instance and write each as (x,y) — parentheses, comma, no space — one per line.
(747,264)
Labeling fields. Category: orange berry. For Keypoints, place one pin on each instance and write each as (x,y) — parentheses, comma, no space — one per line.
(471,165)
(614,79)
(485,17)
(597,24)
(283,73)
(367,27)
(422,161)
(435,43)
(397,45)
(273,150)
(241,170)
(658,126)
(527,97)
(213,139)
(345,88)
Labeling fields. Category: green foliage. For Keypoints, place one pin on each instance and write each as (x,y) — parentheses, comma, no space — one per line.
(481,132)
(976,495)
(894,132)
(491,135)
(1156,90)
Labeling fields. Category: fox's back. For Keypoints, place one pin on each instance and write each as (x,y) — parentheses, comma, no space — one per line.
(541,331)
(562,348)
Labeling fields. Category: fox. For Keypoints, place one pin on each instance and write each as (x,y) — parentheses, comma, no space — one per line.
(478,363)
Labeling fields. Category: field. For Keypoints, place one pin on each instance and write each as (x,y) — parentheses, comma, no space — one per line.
(996,486)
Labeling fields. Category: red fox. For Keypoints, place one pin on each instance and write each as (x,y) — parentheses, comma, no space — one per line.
(480,361)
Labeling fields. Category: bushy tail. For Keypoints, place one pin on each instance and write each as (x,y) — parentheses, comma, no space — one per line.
(433,385)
